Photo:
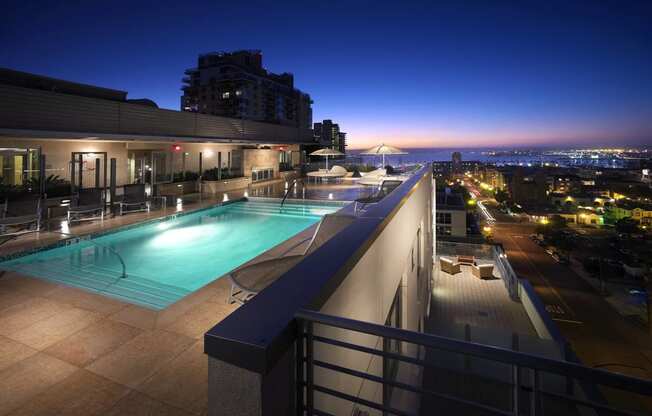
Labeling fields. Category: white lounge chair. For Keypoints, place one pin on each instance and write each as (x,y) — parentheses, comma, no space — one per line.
(385,188)
(375,177)
(250,279)
(333,173)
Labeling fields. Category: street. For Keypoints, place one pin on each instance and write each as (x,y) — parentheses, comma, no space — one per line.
(599,335)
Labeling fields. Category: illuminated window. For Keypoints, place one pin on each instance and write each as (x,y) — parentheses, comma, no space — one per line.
(226,95)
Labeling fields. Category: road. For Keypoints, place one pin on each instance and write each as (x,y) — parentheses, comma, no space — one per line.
(599,335)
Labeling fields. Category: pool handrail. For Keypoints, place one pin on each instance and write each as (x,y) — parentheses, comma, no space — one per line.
(294,183)
(111,249)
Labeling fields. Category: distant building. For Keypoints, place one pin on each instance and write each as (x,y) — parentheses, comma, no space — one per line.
(528,188)
(328,134)
(450,215)
(493,177)
(457,162)
(235,84)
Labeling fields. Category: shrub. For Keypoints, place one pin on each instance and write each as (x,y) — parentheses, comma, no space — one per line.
(185,176)
(212,174)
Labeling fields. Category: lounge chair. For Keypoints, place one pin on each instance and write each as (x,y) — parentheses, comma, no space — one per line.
(384,189)
(20,217)
(250,279)
(88,204)
(375,177)
(449,266)
(134,199)
(483,271)
(334,172)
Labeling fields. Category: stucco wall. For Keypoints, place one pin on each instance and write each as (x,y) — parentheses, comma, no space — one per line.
(399,259)
(58,154)
(260,158)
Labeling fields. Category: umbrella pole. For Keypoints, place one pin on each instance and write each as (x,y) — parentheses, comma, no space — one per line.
(383,161)
(326,162)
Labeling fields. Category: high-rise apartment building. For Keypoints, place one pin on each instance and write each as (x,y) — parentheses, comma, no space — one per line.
(235,84)
(328,134)
(457,162)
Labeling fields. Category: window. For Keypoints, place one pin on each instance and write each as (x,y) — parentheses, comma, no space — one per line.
(226,95)
(390,366)
(444,218)
(443,230)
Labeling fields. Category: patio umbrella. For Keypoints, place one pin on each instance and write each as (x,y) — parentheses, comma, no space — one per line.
(383,149)
(326,152)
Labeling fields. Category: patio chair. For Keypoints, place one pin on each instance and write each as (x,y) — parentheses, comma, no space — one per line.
(87,204)
(449,266)
(134,199)
(385,188)
(375,177)
(483,271)
(21,216)
(250,279)
(335,172)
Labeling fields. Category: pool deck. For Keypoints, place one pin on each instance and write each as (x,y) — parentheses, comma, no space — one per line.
(66,351)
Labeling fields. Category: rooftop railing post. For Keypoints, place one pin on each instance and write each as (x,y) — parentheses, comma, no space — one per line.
(310,392)
(300,357)
(516,388)
(515,376)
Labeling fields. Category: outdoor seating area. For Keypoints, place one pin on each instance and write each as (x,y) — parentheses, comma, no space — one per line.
(335,172)
(479,268)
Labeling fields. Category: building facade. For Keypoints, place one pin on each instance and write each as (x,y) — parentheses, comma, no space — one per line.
(328,134)
(450,217)
(235,84)
(81,128)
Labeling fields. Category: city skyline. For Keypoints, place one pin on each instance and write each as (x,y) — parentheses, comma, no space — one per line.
(420,76)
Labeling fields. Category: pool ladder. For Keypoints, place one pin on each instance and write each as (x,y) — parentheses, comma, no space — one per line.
(294,184)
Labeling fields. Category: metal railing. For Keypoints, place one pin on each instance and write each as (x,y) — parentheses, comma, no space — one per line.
(95,243)
(295,182)
(535,384)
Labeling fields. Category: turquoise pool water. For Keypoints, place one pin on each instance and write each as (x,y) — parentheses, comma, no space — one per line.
(170,259)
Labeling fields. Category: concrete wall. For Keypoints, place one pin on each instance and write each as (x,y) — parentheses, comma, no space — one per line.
(58,154)
(260,158)
(399,259)
(210,154)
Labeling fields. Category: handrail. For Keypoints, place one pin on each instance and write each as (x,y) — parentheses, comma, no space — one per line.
(111,249)
(294,183)
(564,368)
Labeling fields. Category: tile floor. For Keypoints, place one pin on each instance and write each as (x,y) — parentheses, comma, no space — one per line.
(64,351)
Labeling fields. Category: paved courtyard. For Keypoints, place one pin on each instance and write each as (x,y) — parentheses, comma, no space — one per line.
(66,351)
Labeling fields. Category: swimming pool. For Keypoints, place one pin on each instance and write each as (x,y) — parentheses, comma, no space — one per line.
(171,258)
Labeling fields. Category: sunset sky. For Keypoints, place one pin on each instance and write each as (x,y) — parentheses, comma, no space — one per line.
(407,73)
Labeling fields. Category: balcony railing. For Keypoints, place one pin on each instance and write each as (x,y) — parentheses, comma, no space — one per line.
(516,383)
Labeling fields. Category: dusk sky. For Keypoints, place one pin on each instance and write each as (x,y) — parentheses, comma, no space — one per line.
(414,74)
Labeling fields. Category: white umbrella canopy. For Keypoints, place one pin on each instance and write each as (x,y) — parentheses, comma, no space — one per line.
(326,152)
(383,149)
